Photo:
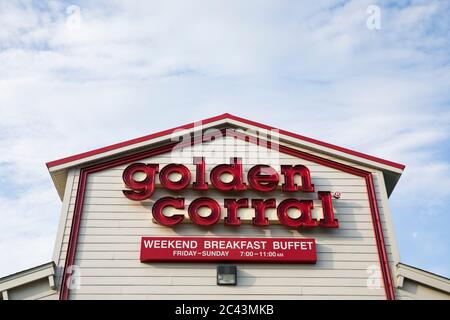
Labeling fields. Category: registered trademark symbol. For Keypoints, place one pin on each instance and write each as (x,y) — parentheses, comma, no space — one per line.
(337,195)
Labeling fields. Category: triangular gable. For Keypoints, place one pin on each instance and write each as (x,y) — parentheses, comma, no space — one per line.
(58,168)
(167,148)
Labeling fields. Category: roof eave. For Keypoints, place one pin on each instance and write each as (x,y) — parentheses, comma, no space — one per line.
(61,166)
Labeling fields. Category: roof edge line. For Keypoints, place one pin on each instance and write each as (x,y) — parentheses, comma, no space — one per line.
(322,143)
(217,118)
(129,142)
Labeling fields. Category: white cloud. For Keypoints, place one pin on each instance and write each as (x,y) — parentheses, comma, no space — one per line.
(140,67)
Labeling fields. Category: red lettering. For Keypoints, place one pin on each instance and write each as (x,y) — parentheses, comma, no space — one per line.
(328,220)
(212,218)
(141,190)
(200,170)
(233,206)
(290,172)
(235,170)
(161,204)
(263,178)
(260,207)
(164,177)
(304,206)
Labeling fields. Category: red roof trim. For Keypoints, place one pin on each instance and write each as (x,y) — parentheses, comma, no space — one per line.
(321,143)
(128,142)
(79,203)
(213,119)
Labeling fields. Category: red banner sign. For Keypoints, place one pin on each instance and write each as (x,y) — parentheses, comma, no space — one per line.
(196,249)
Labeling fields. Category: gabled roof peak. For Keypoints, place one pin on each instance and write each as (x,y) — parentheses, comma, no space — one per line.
(222,117)
(58,168)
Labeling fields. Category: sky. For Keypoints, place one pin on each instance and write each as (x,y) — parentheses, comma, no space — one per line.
(372,76)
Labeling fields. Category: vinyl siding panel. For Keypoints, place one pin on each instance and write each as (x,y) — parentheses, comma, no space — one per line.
(220,297)
(112,226)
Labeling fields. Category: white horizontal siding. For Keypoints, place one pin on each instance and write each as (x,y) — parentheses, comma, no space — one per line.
(220,297)
(112,226)
(209,270)
(227,290)
(52,295)
(211,281)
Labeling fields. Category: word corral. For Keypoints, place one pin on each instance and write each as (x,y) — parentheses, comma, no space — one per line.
(261,178)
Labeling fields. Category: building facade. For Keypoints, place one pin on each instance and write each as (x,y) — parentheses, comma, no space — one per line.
(226,208)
